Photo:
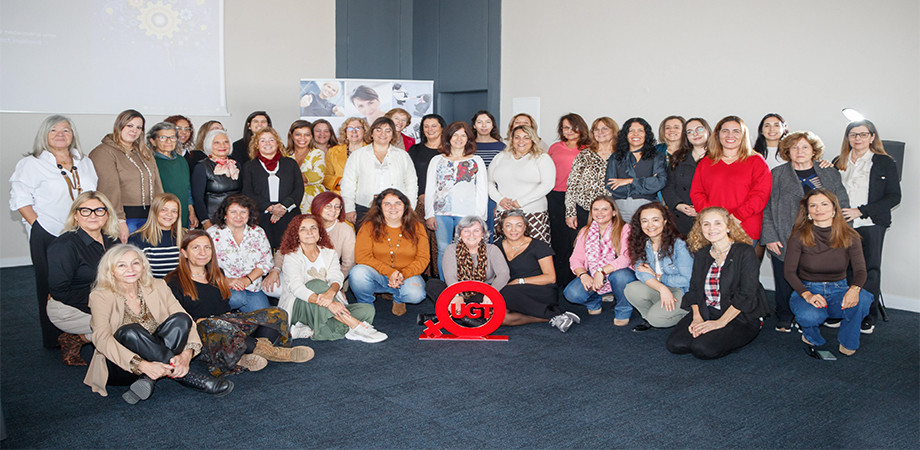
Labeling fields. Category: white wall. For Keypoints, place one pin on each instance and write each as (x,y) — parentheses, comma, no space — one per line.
(269,47)
(804,60)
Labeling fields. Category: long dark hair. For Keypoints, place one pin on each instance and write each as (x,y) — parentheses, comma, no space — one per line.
(183,272)
(578,123)
(452,129)
(842,235)
(424,139)
(374,217)
(760,145)
(637,238)
(247,133)
(686,148)
(494,133)
(622,146)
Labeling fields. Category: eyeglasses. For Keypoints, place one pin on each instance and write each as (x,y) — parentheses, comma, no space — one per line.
(862,135)
(99,212)
(351,129)
(334,206)
(567,128)
(266,140)
(697,130)
(166,138)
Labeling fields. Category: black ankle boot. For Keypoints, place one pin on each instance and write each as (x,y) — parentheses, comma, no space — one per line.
(139,390)
(206,383)
(422,318)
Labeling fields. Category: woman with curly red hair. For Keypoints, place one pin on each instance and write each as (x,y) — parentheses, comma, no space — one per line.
(311,287)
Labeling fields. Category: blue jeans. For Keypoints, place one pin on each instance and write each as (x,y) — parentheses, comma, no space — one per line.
(248,301)
(364,281)
(811,318)
(445,235)
(575,292)
(134,224)
(490,220)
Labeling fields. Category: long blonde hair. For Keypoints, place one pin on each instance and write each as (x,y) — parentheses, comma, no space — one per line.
(111,222)
(696,240)
(105,278)
(715,145)
(152,232)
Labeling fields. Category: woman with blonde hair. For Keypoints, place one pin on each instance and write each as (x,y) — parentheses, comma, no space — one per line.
(524,119)
(132,178)
(519,178)
(140,331)
(73,257)
(820,250)
(160,236)
(401,119)
(352,137)
(725,298)
(733,176)
(273,182)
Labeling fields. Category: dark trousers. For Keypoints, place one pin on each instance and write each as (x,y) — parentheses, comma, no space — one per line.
(581,216)
(167,341)
(275,231)
(873,239)
(563,237)
(360,212)
(781,291)
(714,344)
(38,247)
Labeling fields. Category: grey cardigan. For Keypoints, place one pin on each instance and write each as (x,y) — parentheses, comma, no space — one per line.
(779,215)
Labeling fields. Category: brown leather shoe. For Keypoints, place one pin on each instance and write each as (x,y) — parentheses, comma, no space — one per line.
(70,349)
(399,308)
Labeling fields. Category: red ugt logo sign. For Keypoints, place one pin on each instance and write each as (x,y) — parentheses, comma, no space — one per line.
(471,310)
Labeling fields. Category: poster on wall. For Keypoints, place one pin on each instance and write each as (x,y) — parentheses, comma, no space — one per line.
(338,99)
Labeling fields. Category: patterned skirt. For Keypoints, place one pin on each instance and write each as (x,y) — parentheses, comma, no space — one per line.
(538,223)
(223,337)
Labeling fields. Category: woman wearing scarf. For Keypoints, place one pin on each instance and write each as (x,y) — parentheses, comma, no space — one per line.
(214,178)
(274,183)
(600,261)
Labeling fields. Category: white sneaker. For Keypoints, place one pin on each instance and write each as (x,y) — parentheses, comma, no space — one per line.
(301,331)
(364,332)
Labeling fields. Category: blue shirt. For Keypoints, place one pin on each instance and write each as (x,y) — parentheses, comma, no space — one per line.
(675,269)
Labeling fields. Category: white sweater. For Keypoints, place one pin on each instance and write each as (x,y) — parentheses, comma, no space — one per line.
(456,188)
(364,177)
(526,180)
(294,276)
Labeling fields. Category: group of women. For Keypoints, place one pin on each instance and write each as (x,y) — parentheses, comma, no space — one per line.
(673,228)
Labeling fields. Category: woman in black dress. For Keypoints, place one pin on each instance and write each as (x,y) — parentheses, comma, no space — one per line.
(531,295)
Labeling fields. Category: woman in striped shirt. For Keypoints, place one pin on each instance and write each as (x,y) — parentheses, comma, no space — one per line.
(158,237)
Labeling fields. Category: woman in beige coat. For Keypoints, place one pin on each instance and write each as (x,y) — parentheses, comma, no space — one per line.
(140,331)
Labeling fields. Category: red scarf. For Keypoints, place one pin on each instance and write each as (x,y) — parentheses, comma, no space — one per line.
(270,164)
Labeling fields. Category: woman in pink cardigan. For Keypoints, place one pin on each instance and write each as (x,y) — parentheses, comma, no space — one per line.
(600,261)
(733,176)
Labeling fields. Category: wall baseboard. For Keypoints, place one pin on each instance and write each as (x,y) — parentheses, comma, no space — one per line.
(891,301)
(15,262)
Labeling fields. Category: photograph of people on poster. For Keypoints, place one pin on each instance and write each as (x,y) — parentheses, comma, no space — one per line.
(321,98)
(364,99)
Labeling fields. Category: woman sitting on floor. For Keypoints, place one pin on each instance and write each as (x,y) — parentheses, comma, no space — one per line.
(311,287)
(140,331)
(231,341)
(531,295)
(663,266)
(469,258)
(600,261)
(725,298)
(818,253)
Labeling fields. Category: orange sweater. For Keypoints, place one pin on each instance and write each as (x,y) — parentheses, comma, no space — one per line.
(408,258)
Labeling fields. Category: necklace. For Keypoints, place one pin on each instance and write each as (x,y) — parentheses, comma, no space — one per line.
(200,276)
(719,253)
(149,178)
(393,249)
(72,184)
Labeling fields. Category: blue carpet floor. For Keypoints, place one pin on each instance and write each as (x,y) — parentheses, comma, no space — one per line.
(595,386)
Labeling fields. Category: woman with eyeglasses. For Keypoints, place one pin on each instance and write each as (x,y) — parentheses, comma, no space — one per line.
(682,166)
(401,119)
(351,134)
(132,177)
(274,183)
(328,208)
(637,171)
(871,179)
(42,188)
(173,168)
(73,258)
(733,176)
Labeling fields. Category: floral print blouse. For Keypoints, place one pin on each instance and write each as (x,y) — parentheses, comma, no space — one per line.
(237,260)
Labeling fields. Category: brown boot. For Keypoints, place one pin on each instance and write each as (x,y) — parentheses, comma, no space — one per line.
(252,362)
(399,309)
(70,349)
(299,354)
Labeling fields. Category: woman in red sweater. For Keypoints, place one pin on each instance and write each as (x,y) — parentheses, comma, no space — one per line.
(733,176)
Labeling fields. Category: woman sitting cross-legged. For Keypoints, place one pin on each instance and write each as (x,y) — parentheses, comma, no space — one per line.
(663,266)
(391,251)
(600,261)
(311,287)
(469,258)
(819,251)
(158,238)
(725,298)
(531,295)
(242,251)
(140,331)
(231,341)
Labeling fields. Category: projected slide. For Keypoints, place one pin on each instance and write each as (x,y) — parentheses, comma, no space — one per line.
(104,56)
